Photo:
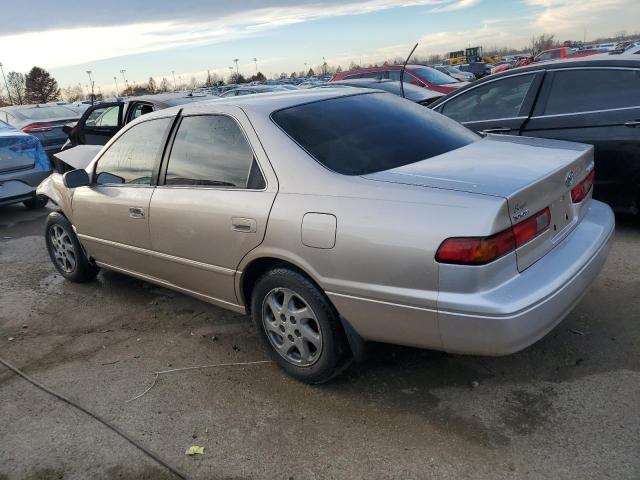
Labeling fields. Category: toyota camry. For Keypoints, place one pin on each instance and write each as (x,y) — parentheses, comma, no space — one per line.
(335,217)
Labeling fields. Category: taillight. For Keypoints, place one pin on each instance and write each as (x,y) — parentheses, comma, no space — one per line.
(36,128)
(580,191)
(531,227)
(483,250)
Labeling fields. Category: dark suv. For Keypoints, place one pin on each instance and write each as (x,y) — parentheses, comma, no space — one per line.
(593,100)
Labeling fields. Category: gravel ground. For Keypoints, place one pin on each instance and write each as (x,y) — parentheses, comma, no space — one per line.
(567,407)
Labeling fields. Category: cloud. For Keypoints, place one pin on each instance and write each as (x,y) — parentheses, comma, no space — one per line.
(571,16)
(58,47)
(456,5)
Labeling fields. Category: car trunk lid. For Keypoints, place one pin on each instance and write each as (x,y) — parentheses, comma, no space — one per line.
(531,174)
(17,152)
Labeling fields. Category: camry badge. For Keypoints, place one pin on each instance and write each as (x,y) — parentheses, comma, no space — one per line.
(568,179)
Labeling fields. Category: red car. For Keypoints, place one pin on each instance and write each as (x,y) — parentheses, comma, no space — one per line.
(420,75)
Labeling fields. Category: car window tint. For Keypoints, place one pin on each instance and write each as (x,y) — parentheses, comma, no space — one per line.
(131,157)
(209,150)
(498,99)
(598,89)
(366,133)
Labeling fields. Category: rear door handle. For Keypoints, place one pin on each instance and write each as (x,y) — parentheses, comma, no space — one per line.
(245,225)
(136,212)
(632,124)
(497,130)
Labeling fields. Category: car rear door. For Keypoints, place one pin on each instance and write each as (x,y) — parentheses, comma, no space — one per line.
(495,106)
(111,216)
(599,106)
(211,205)
(98,124)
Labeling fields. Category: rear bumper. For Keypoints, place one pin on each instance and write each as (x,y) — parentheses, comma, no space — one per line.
(16,187)
(522,310)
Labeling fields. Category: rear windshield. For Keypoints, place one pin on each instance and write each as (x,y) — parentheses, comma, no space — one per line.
(45,112)
(368,133)
(432,75)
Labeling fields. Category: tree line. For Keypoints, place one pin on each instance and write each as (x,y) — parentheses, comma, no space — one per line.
(37,86)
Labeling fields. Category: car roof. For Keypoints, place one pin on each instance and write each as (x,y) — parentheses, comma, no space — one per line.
(263,104)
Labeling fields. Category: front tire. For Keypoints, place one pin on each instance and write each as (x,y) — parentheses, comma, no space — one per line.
(299,327)
(65,250)
(36,203)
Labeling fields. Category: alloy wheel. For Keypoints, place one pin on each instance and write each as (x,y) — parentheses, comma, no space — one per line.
(63,249)
(291,327)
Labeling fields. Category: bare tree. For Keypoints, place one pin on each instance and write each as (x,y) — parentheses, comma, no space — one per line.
(17,88)
(543,42)
(164,85)
(151,86)
(73,93)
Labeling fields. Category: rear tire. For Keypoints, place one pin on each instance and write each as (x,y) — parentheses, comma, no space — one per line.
(65,250)
(299,327)
(36,203)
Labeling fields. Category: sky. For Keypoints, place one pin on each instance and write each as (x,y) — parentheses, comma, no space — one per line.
(189,37)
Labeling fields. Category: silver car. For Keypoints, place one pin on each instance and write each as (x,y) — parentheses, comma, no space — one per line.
(336,217)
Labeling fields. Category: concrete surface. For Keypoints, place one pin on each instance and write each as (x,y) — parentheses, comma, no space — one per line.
(567,407)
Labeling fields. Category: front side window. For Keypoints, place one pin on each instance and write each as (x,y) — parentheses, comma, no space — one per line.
(131,157)
(210,150)
(586,90)
(103,117)
(367,133)
(498,99)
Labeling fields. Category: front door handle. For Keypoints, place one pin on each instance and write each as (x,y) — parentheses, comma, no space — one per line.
(497,130)
(136,212)
(632,124)
(244,225)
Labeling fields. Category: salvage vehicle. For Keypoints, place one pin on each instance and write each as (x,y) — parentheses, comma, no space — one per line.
(594,100)
(339,216)
(564,53)
(410,92)
(46,122)
(102,121)
(455,72)
(23,165)
(419,75)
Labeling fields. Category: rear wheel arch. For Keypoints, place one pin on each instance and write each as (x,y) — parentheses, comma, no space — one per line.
(258,267)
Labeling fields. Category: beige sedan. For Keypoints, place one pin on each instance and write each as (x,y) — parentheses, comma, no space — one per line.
(336,217)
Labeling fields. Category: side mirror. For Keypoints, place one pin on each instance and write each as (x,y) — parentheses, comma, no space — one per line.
(76,178)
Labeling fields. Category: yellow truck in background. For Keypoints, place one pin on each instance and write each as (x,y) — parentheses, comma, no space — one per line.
(470,55)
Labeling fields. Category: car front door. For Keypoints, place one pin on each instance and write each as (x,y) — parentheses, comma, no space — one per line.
(111,215)
(98,124)
(211,205)
(599,106)
(496,106)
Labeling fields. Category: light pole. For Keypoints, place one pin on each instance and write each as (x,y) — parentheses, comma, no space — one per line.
(324,66)
(175,87)
(305,69)
(237,72)
(255,60)
(126,84)
(5,84)
(231,73)
(115,79)
(91,83)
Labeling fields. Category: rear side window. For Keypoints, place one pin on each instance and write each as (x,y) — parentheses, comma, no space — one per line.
(583,90)
(131,157)
(211,150)
(498,99)
(366,133)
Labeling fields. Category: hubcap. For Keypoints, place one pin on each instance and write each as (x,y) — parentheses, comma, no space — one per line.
(62,248)
(291,326)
